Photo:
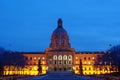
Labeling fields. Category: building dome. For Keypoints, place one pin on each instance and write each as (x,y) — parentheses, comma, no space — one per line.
(60,38)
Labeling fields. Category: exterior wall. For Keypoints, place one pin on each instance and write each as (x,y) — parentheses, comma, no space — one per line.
(47,60)
(31,68)
(89,66)
(54,65)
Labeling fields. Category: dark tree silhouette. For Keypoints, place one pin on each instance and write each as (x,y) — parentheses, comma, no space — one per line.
(114,56)
(1,64)
(39,67)
(80,68)
(15,59)
(2,50)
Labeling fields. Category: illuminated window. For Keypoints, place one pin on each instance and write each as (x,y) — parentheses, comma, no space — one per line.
(70,57)
(38,58)
(65,57)
(76,57)
(35,68)
(85,62)
(43,58)
(88,62)
(34,58)
(60,57)
(55,57)
(76,62)
(43,62)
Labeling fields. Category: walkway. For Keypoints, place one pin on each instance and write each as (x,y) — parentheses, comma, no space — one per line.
(61,76)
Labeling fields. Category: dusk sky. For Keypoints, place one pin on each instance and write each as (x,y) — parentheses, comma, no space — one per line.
(27,25)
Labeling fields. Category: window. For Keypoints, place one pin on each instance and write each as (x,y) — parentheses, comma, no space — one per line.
(76,58)
(85,68)
(43,58)
(60,62)
(43,62)
(76,62)
(64,62)
(70,57)
(89,68)
(100,62)
(89,58)
(65,57)
(70,62)
(60,57)
(55,57)
(85,62)
(55,62)
(30,58)
(34,58)
(93,57)
(38,58)
(84,58)
(88,62)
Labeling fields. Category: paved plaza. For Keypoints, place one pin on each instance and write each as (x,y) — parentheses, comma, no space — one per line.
(61,76)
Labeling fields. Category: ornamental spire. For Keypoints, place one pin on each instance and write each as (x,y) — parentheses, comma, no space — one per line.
(59,23)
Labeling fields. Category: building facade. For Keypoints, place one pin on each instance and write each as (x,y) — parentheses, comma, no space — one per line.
(60,56)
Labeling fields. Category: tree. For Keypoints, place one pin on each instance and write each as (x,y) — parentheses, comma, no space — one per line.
(1,64)
(112,57)
(80,67)
(15,59)
(2,50)
(39,67)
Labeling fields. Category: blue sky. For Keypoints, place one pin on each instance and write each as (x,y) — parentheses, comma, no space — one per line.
(27,25)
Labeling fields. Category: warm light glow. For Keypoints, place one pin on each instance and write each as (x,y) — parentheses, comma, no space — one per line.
(88,62)
(38,58)
(35,68)
(43,62)
(43,58)
(76,62)
(34,58)
(76,57)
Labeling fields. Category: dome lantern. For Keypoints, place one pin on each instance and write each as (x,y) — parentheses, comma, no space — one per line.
(59,23)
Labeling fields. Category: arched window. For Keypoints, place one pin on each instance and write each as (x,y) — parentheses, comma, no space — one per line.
(70,57)
(55,57)
(60,57)
(65,57)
